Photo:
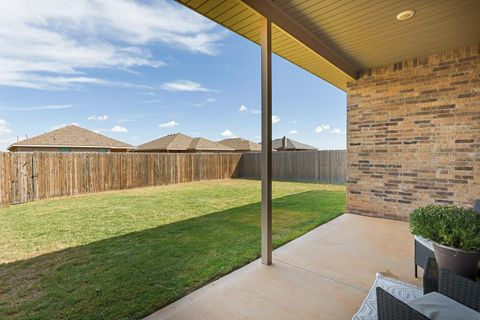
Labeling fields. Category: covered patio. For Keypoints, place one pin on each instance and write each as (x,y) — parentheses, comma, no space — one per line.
(324,274)
(411,71)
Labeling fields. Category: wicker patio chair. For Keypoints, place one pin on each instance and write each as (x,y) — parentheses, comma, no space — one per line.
(460,289)
(455,287)
(390,308)
(430,276)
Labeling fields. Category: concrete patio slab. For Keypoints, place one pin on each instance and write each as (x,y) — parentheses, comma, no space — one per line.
(324,274)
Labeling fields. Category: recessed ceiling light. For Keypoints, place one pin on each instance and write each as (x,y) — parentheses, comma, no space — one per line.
(405,15)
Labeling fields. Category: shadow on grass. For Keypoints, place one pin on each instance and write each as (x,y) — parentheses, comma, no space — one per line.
(133,275)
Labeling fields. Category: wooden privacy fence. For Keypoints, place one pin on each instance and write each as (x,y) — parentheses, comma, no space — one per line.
(30,176)
(310,166)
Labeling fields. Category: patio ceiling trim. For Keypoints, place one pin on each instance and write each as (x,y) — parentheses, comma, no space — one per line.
(285,22)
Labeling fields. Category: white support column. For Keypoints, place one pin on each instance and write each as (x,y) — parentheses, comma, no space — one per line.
(266,167)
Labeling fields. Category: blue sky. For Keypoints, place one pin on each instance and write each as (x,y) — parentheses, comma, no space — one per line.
(137,70)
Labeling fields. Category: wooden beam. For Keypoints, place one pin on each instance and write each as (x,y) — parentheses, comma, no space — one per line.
(281,19)
(266,44)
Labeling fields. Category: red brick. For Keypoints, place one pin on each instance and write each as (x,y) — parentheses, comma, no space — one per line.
(434,150)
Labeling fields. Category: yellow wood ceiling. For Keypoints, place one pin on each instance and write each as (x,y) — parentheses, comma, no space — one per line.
(363,32)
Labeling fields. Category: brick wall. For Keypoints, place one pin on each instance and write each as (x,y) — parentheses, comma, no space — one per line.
(414,135)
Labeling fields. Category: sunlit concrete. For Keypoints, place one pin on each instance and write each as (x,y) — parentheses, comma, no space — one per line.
(324,274)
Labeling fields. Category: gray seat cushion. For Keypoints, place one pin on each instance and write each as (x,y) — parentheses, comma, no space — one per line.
(436,306)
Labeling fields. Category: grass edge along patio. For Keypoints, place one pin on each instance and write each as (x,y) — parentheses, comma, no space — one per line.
(124,254)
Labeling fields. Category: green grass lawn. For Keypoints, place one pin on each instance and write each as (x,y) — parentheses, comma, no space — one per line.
(125,254)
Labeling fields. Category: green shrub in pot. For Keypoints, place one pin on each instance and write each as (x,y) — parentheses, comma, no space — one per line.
(447,225)
(455,233)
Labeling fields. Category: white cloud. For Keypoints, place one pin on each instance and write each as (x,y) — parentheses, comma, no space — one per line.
(203,104)
(228,134)
(51,44)
(119,129)
(294,121)
(242,108)
(255,111)
(150,101)
(293,132)
(58,126)
(38,108)
(5,139)
(322,128)
(6,142)
(337,131)
(169,124)
(98,118)
(326,128)
(4,126)
(184,85)
(33,81)
(275,119)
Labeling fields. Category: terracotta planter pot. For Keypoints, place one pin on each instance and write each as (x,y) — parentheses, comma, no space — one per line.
(461,262)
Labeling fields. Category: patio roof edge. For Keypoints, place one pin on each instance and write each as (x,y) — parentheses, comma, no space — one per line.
(285,22)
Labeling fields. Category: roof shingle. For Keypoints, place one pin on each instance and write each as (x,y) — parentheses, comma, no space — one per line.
(240,144)
(182,142)
(289,144)
(71,136)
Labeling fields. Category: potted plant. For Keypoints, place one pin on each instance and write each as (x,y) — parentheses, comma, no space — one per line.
(455,233)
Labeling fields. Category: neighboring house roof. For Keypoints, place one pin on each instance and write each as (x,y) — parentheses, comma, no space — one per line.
(289,144)
(72,136)
(182,142)
(171,142)
(240,144)
(205,144)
